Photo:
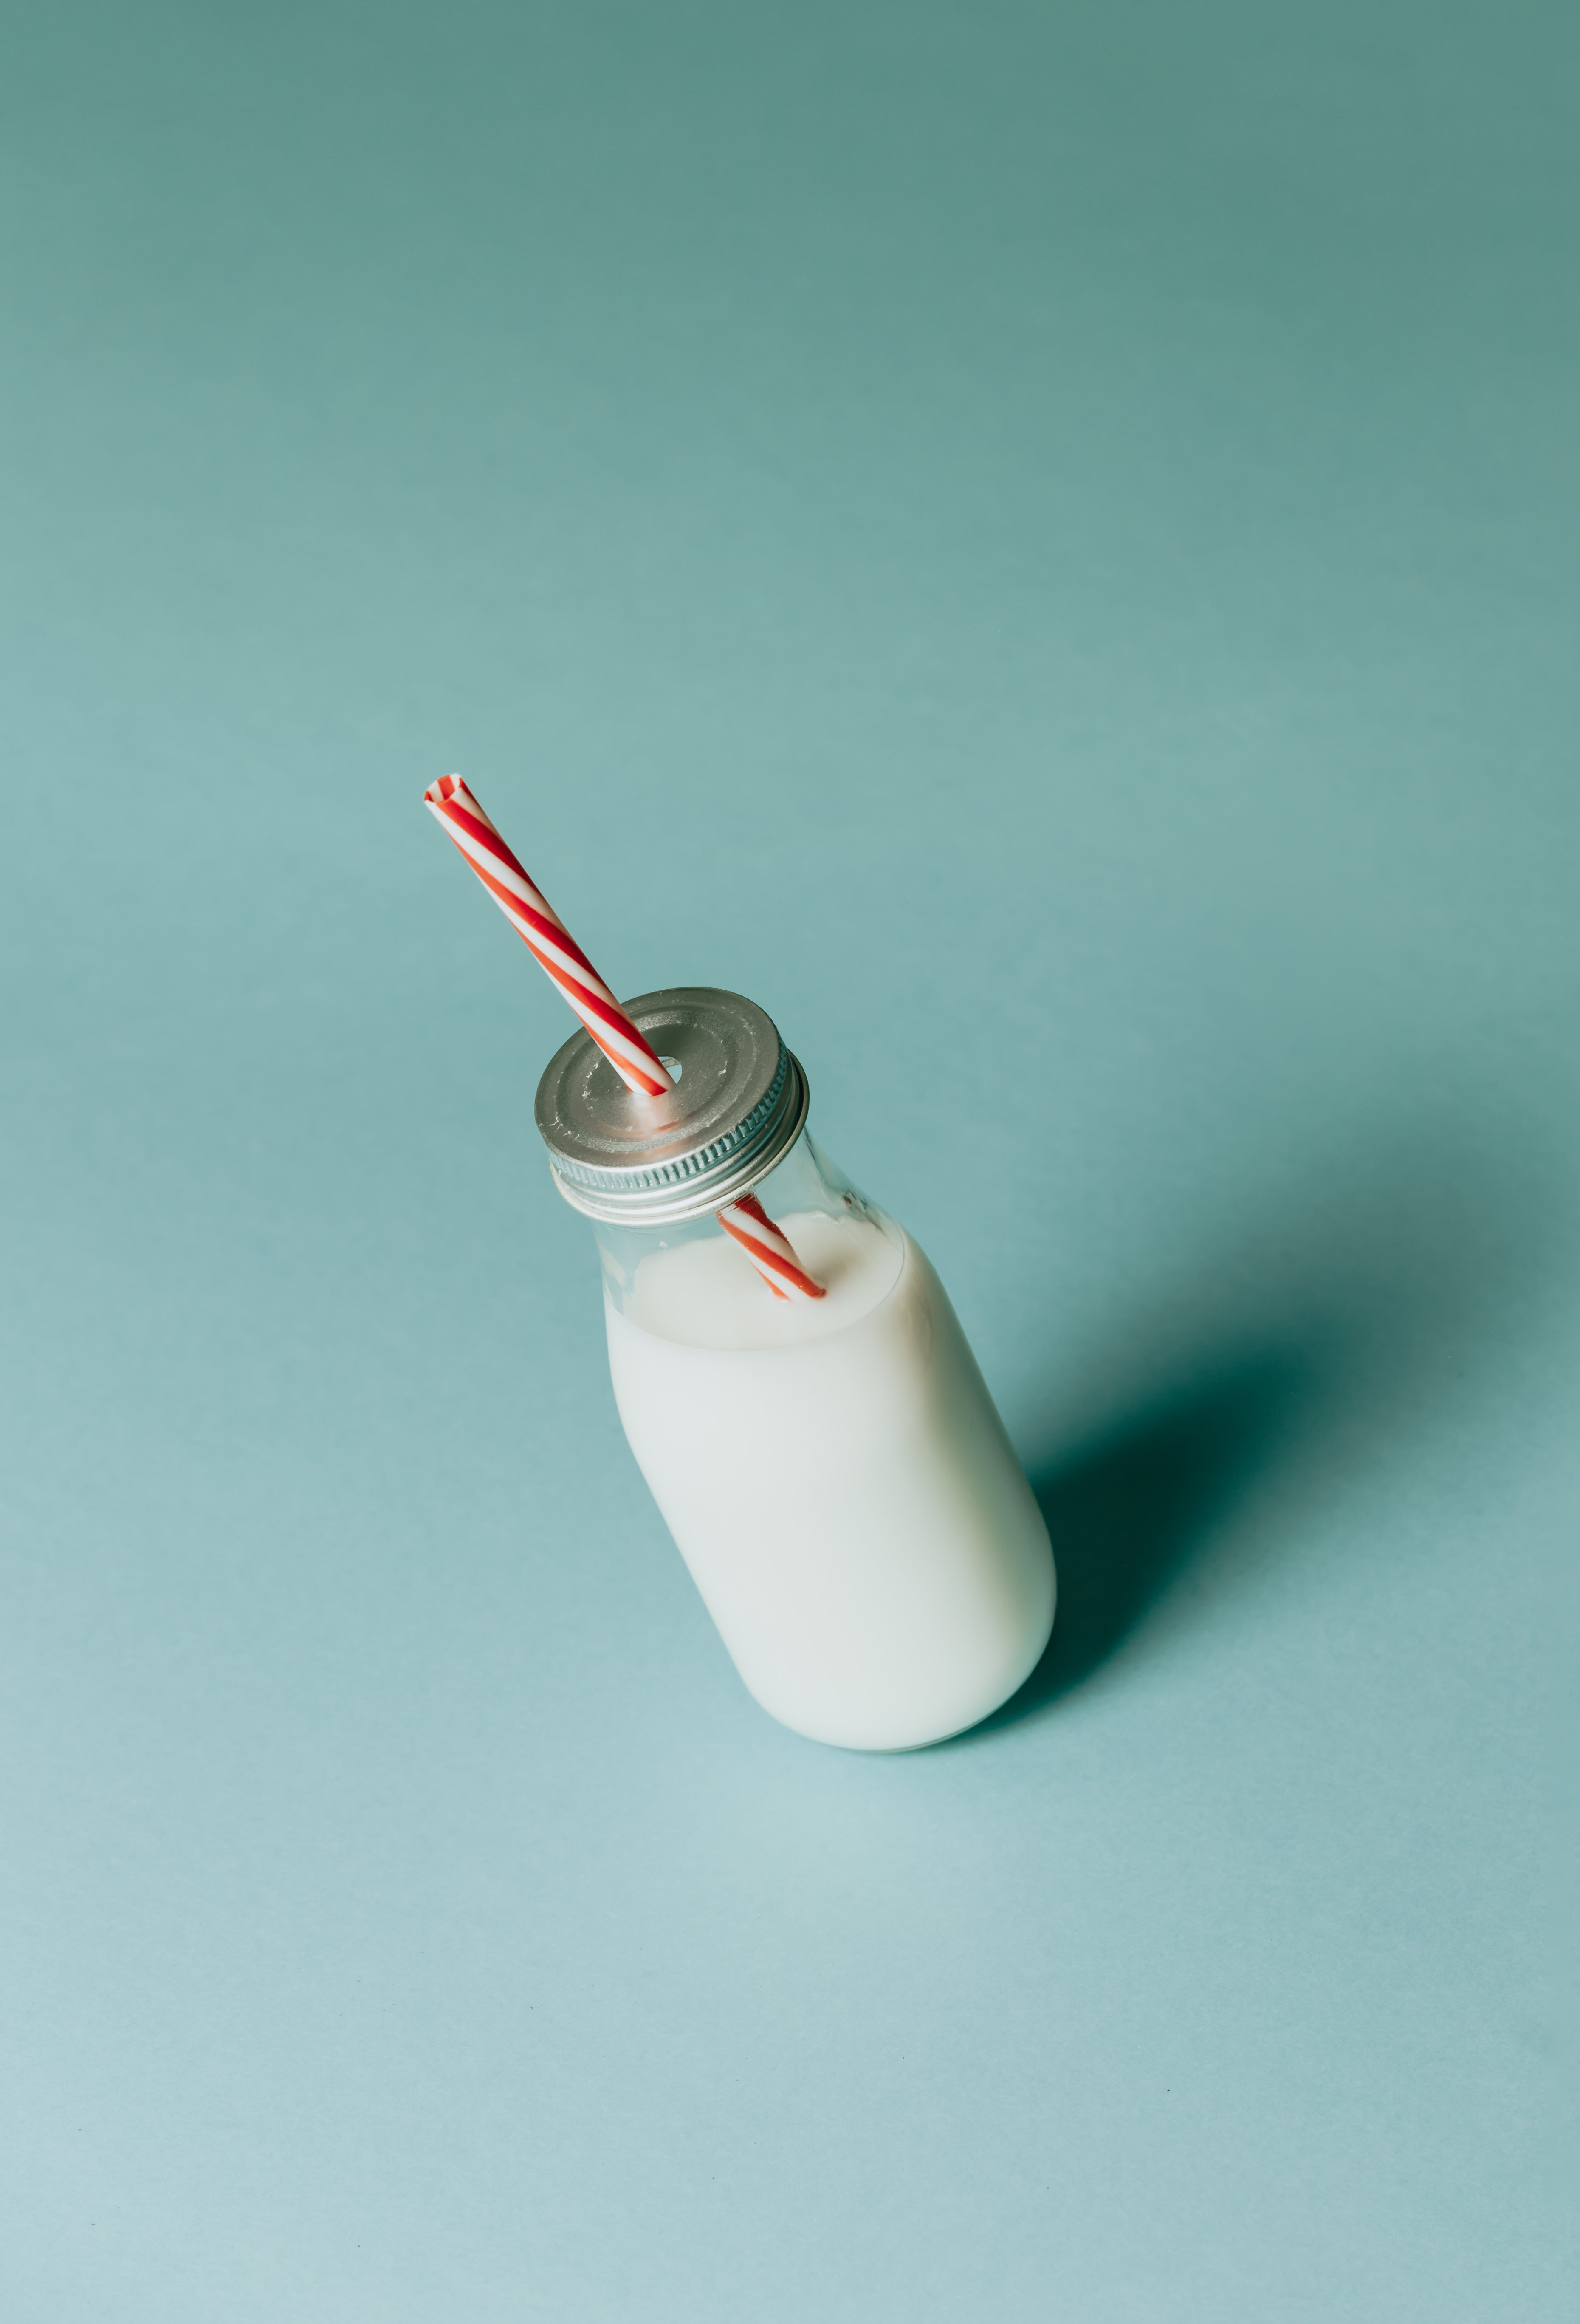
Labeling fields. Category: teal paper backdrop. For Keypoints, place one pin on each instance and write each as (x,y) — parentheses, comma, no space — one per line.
(1040,542)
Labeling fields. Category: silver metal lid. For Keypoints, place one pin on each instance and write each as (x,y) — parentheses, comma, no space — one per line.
(739,1106)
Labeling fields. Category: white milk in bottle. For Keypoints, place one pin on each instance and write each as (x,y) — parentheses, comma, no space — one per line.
(833,1470)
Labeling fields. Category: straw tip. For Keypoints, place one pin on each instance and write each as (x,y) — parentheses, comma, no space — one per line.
(445,788)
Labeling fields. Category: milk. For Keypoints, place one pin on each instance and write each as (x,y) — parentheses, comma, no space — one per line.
(837,1479)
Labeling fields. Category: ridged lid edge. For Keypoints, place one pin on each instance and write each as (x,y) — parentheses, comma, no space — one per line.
(695,1184)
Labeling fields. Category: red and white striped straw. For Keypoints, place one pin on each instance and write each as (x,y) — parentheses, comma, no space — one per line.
(553,946)
(768,1249)
(545,936)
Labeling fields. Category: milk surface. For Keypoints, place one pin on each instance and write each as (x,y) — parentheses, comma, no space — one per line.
(838,1481)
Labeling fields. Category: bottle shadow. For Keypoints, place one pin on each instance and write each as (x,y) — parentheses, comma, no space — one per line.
(1340,1331)
(1129,1512)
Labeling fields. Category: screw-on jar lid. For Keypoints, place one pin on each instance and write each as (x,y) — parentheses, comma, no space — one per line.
(737,1107)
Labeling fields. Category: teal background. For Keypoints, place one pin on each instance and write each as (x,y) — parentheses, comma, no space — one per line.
(1039,542)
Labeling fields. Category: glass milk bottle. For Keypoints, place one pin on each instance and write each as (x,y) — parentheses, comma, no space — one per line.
(834,1469)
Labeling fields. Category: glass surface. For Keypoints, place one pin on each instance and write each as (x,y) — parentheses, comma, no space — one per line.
(804,1181)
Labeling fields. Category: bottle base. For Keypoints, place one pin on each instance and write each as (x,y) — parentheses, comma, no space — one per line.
(878,1746)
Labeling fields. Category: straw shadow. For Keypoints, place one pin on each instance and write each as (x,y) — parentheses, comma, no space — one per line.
(1342,1326)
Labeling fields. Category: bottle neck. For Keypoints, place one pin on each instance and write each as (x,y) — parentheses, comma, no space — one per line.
(805,1193)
